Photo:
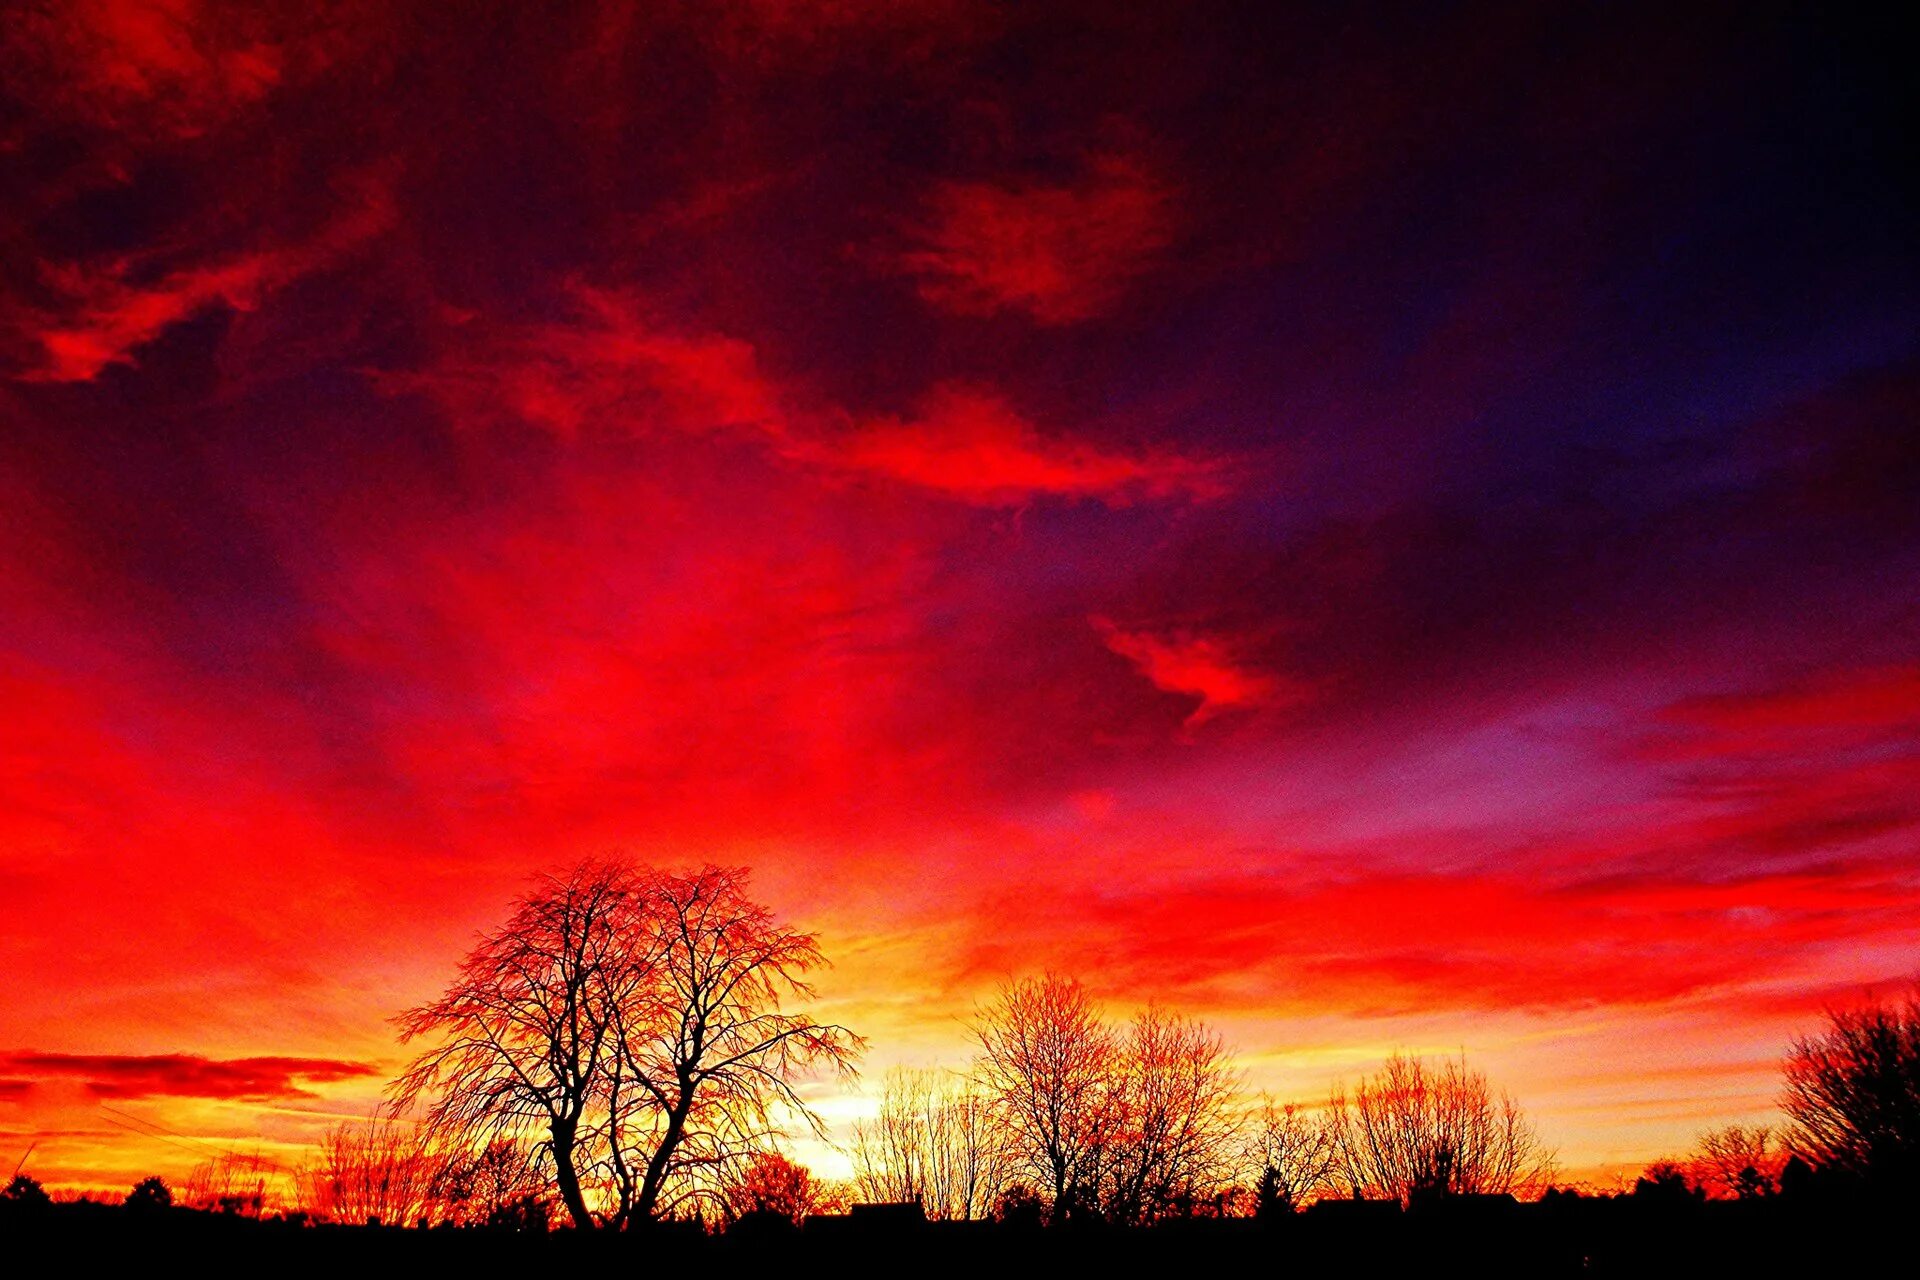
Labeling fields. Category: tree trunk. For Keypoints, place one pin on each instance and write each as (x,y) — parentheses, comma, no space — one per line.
(565,1175)
(655,1181)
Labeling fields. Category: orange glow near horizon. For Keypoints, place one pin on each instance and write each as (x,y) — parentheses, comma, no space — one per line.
(1181,509)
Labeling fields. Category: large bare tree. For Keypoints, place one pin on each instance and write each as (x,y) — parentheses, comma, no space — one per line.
(525,1040)
(712,1060)
(1419,1128)
(1853,1092)
(632,1021)
(1048,1060)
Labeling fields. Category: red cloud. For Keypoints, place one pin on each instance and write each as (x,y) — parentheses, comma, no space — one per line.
(1058,253)
(621,369)
(1378,944)
(777,31)
(122,56)
(611,368)
(107,312)
(172,69)
(186,1075)
(1857,701)
(971,444)
(115,317)
(1203,667)
(1824,769)
(617,368)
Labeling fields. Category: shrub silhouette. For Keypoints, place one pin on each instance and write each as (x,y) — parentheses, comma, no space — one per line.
(25,1192)
(148,1195)
(1665,1182)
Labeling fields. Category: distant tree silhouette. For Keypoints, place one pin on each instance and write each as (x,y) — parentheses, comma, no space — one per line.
(1020,1206)
(1292,1155)
(1738,1161)
(25,1192)
(149,1194)
(1666,1182)
(934,1140)
(1796,1176)
(501,1185)
(234,1182)
(1132,1124)
(1048,1060)
(773,1184)
(1171,1118)
(631,1022)
(1853,1093)
(893,1152)
(1415,1129)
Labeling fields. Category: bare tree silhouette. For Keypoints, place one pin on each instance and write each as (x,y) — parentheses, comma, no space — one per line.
(526,1035)
(1669,1181)
(1292,1155)
(1739,1161)
(771,1183)
(1413,1129)
(244,1183)
(894,1152)
(933,1140)
(1853,1092)
(149,1195)
(1048,1061)
(1171,1117)
(25,1192)
(375,1170)
(710,1055)
(631,1022)
(501,1185)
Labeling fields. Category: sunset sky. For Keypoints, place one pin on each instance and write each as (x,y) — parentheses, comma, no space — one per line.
(1379,529)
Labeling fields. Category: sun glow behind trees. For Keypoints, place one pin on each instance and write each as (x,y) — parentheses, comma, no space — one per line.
(625,1037)
(620,1051)
(625,1034)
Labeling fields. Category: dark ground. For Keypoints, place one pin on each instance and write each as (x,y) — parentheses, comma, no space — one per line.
(1573,1237)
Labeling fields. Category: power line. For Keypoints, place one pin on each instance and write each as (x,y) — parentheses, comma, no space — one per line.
(159,1132)
(119,1124)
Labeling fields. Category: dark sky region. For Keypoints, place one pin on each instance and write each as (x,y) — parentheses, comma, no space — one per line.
(1380,527)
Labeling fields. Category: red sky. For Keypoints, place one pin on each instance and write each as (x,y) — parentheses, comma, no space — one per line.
(1393,531)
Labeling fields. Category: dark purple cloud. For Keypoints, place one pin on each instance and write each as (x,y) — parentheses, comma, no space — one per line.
(184,1075)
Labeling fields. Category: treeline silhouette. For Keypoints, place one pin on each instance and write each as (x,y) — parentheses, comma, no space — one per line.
(621,1053)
